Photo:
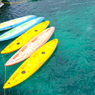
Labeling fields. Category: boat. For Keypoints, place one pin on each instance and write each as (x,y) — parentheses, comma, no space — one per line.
(26,37)
(17,31)
(1,4)
(15,22)
(28,49)
(32,64)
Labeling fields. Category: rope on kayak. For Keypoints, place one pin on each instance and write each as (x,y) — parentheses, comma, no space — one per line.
(5,73)
(14,2)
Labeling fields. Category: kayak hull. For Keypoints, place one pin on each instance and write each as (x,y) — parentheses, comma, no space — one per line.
(15,22)
(28,49)
(26,37)
(32,64)
(20,29)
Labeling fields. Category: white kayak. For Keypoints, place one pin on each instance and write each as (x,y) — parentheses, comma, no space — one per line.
(15,22)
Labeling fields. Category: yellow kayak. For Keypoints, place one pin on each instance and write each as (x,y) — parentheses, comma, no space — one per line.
(26,37)
(32,64)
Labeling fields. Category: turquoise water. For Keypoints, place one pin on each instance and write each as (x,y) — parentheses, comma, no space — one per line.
(71,68)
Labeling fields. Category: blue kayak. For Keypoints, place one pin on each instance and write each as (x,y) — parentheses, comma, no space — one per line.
(20,29)
(15,22)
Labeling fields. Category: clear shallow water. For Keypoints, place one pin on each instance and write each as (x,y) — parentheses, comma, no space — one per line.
(71,68)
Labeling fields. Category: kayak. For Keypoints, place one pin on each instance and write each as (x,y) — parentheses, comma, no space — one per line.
(26,37)
(15,22)
(17,31)
(28,49)
(32,64)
